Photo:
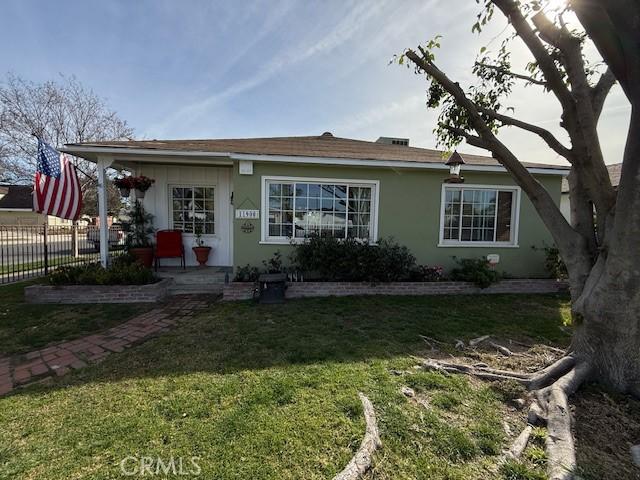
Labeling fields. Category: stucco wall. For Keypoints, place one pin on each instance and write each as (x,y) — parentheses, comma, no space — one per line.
(409,211)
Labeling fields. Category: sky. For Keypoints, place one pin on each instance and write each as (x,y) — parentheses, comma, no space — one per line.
(259,68)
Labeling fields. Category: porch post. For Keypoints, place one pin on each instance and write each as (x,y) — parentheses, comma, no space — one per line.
(103,163)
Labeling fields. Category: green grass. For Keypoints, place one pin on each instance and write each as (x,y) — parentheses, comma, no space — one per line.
(25,327)
(270,392)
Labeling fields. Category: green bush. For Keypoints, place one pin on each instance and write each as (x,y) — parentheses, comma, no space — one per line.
(476,270)
(121,272)
(353,260)
(247,274)
(553,262)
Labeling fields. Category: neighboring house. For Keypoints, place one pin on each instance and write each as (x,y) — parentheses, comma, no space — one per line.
(565,203)
(16,207)
(255,196)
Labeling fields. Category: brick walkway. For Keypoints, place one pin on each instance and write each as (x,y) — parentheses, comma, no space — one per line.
(61,358)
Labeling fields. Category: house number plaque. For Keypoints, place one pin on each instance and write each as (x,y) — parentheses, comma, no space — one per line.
(245,214)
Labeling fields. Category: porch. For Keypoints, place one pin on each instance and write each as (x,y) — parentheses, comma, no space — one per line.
(196,280)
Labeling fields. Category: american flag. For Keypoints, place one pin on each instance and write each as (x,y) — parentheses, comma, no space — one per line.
(56,190)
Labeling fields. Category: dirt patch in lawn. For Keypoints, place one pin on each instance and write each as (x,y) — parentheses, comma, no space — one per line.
(606,424)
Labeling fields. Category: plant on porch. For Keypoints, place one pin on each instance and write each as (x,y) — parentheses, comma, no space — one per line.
(139,228)
(141,184)
(200,250)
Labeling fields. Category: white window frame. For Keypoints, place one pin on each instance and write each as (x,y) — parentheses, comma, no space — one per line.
(264,210)
(170,188)
(515,215)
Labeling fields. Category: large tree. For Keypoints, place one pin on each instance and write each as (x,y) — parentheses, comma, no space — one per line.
(59,112)
(601,243)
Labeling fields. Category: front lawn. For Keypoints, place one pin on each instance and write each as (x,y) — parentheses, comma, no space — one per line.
(271,392)
(25,327)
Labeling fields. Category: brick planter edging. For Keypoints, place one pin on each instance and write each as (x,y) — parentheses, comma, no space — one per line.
(68,294)
(244,290)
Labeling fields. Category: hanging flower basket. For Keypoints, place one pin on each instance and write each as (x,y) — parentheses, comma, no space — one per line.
(124,184)
(141,184)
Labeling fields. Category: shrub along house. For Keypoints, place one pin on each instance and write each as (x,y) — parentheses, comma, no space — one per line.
(252,197)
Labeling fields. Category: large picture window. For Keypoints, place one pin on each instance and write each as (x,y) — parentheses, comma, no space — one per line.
(478,215)
(299,208)
(192,207)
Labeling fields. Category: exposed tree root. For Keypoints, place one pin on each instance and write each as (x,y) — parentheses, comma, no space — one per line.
(361,461)
(520,443)
(550,390)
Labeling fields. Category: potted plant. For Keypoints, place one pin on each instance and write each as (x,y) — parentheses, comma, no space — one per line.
(139,229)
(201,250)
(124,184)
(141,185)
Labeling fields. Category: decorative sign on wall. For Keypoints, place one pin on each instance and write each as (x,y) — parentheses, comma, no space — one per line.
(244,214)
(247,227)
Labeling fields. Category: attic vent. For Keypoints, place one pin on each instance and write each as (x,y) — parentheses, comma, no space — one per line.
(327,134)
(393,141)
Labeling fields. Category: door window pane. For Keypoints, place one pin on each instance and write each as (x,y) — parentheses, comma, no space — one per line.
(193,208)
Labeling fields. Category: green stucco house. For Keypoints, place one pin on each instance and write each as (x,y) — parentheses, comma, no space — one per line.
(258,195)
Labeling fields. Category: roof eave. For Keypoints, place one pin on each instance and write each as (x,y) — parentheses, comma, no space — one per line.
(147,155)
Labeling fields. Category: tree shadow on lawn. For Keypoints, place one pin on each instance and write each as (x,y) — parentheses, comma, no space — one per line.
(323,350)
(239,336)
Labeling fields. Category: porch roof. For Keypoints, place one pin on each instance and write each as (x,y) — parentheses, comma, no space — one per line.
(323,148)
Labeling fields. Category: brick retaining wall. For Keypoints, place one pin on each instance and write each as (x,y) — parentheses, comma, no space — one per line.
(244,290)
(97,293)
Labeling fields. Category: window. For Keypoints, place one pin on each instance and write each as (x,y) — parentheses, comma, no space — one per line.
(479,215)
(299,208)
(192,207)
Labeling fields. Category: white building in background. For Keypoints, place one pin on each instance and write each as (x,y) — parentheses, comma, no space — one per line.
(565,202)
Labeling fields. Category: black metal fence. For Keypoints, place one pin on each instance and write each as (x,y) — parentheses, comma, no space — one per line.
(28,251)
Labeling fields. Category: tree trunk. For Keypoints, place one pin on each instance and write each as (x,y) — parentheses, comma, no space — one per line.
(607,332)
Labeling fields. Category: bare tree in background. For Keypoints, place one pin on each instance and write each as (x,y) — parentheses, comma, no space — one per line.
(59,112)
(601,244)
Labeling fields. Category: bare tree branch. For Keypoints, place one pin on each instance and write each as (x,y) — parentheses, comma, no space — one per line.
(546,135)
(553,77)
(520,76)
(470,139)
(578,114)
(601,91)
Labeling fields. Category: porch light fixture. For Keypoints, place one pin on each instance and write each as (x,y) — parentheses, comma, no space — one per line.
(454,162)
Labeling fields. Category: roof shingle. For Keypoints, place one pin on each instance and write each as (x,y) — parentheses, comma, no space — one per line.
(16,196)
(325,145)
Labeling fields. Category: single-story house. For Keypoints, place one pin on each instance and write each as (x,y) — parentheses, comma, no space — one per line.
(255,196)
(16,207)
(565,202)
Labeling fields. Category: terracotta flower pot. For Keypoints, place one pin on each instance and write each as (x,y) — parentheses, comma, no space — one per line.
(202,254)
(144,255)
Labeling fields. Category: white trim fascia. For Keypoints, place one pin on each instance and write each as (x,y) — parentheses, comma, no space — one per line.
(16,210)
(117,151)
(141,151)
(515,216)
(264,223)
(385,163)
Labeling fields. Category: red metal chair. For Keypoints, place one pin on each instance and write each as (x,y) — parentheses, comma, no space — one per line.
(169,245)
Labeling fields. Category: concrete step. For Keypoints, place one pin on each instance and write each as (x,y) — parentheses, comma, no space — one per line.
(215,288)
(198,279)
